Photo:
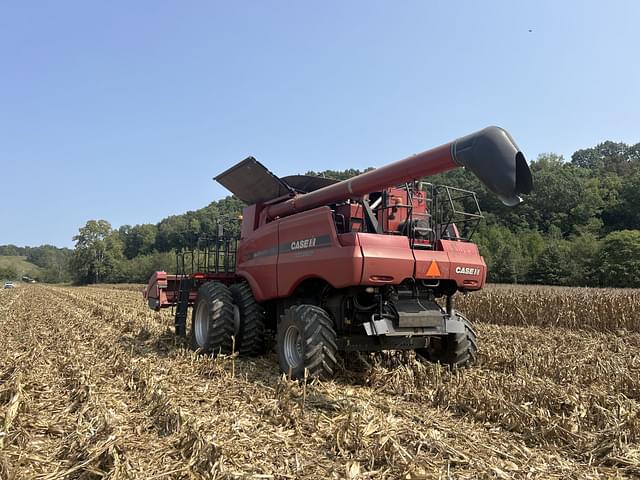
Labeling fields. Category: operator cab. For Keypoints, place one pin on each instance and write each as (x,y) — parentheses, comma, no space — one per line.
(421,211)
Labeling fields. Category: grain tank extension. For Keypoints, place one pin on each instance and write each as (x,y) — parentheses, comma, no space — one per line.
(370,263)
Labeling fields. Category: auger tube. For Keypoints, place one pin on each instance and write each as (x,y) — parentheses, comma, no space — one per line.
(491,154)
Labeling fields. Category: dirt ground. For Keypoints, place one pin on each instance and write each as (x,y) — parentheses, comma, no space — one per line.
(95,385)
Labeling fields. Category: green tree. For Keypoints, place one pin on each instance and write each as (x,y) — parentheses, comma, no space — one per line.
(619,259)
(503,252)
(12,251)
(583,253)
(532,244)
(508,264)
(552,267)
(138,240)
(180,231)
(564,196)
(96,253)
(140,268)
(609,158)
(624,212)
(173,233)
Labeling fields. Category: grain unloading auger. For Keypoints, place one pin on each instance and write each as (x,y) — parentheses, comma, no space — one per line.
(356,265)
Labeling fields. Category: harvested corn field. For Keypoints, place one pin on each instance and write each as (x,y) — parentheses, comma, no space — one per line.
(95,385)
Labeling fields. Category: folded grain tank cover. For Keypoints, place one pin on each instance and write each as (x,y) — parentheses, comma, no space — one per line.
(251,182)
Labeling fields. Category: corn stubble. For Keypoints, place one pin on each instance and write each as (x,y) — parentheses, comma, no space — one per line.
(94,385)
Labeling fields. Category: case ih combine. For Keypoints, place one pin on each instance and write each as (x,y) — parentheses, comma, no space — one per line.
(370,263)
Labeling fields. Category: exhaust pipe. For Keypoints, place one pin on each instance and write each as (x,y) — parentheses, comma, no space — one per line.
(493,156)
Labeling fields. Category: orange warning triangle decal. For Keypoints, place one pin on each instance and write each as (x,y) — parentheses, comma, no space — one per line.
(433,270)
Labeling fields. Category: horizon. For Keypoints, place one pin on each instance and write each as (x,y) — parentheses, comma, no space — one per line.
(127,112)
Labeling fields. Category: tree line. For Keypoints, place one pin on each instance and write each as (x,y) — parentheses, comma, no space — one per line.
(53,262)
(579,226)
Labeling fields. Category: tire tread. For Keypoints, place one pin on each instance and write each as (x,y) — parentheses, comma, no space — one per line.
(458,349)
(251,337)
(221,324)
(320,352)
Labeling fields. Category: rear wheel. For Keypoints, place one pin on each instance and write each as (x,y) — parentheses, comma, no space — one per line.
(455,349)
(215,320)
(307,340)
(250,340)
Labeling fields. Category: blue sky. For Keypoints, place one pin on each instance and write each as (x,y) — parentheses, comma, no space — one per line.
(126,110)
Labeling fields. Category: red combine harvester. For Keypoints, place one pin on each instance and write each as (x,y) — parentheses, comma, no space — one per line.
(356,265)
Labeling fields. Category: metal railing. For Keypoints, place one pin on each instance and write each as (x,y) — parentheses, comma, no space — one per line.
(210,254)
(457,213)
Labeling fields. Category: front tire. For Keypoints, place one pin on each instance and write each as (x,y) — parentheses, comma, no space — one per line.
(307,340)
(456,350)
(213,323)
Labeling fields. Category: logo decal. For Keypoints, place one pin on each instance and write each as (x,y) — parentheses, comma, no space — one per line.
(306,243)
(467,271)
(310,243)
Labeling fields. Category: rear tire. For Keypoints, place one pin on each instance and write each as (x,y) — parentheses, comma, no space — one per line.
(456,350)
(250,341)
(213,323)
(307,340)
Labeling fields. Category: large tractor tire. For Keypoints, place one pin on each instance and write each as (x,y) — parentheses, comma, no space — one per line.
(307,340)
(251,340)
(215,321)
(456,350)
